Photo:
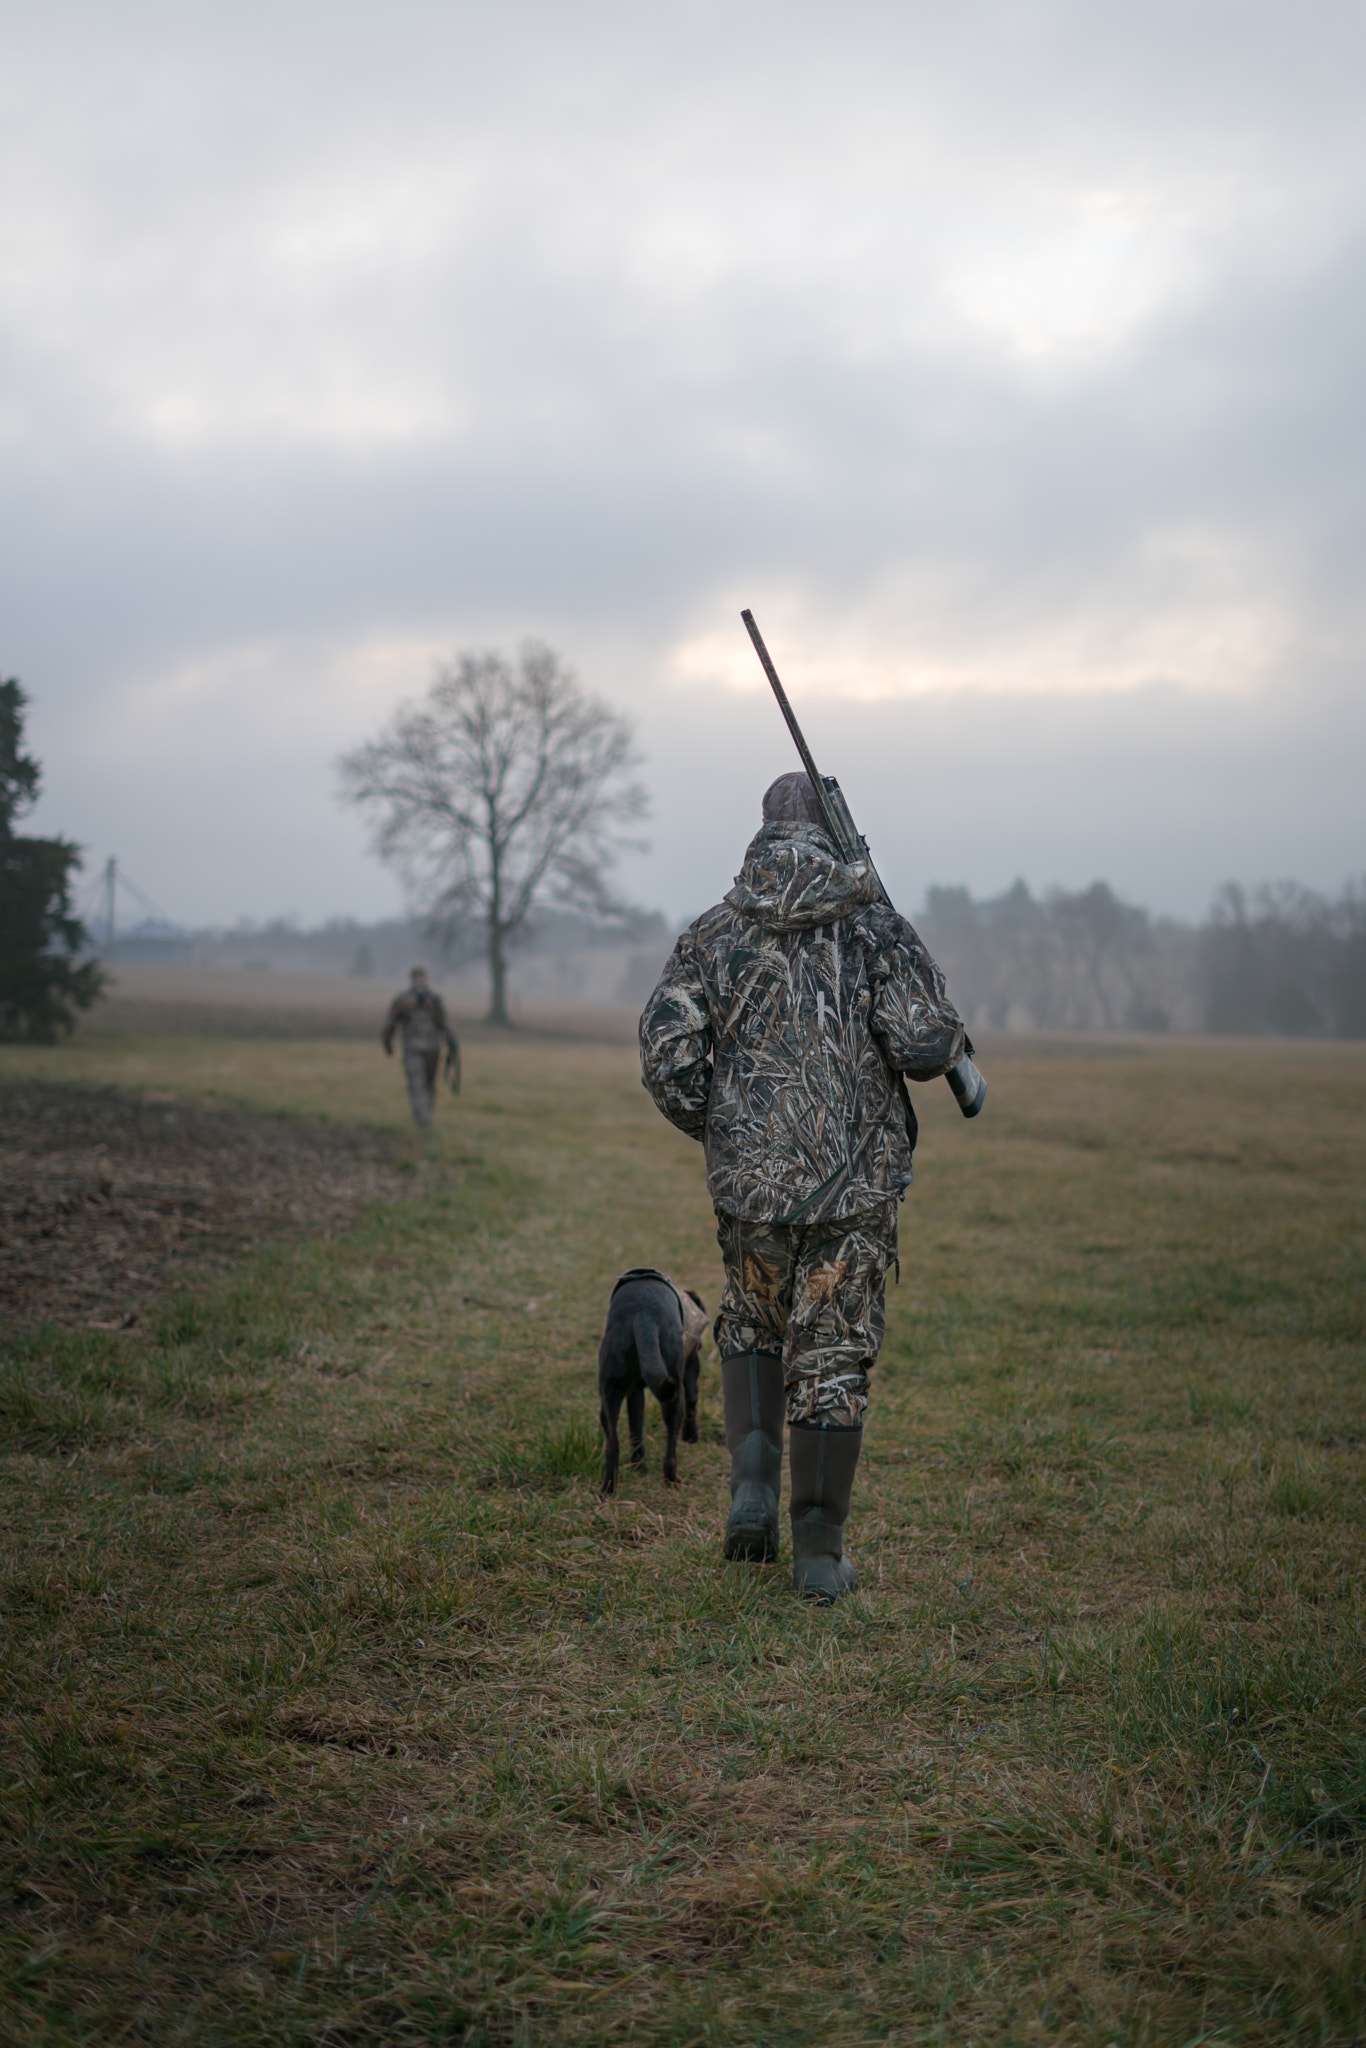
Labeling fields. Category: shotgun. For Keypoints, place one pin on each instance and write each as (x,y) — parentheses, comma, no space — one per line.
(968,1084)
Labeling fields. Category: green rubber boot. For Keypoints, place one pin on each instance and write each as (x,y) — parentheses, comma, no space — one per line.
(753,1400)
(822,1462)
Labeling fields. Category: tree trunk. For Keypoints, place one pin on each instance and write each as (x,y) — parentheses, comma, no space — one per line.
(498,977)
(498,967)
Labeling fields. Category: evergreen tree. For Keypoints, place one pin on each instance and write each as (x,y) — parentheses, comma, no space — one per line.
(42,982)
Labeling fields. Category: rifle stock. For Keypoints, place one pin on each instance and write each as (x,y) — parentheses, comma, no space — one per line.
(966,1080)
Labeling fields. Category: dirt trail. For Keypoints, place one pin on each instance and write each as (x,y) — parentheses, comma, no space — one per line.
(105,1196)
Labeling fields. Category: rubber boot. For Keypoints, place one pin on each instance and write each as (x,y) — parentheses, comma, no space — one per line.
(754,1401)
(822,1462)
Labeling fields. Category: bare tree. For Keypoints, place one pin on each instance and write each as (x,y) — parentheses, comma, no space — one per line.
(505,788)
(1287,961)
(1073,962)
(1103,943)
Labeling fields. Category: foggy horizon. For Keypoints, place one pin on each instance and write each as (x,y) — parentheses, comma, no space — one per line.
(541,933)
(1007,365)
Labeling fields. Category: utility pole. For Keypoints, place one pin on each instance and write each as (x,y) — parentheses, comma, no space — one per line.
(109,872)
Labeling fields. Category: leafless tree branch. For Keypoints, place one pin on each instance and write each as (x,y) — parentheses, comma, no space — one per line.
(506,787)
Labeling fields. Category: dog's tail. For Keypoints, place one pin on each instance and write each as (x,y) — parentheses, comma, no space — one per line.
(653,1370)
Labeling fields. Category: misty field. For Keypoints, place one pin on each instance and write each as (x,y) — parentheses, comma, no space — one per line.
(339,1708)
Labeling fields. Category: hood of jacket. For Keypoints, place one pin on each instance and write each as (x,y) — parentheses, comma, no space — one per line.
(793,880)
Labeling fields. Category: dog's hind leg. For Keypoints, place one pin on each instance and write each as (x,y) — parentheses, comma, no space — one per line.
(635,1418)
(607,1416)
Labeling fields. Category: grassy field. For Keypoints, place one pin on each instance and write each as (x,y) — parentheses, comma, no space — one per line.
(340,1710)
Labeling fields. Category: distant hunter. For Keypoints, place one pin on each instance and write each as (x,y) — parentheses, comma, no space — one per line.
(419,1014)
(779,1035)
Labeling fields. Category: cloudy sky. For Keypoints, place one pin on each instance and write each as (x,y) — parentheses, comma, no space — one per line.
(1007,359)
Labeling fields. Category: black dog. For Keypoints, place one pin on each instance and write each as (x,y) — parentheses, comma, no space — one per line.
(653,1339)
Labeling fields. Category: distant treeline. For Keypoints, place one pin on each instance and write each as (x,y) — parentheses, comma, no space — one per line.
(1279,960)
(1286,961)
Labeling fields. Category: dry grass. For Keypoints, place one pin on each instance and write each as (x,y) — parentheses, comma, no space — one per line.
(340,1710)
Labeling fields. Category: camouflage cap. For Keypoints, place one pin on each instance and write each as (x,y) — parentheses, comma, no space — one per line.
(791,800)
(417,974)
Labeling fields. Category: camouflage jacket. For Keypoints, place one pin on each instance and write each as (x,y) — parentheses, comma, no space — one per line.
(781,1029)
(420,1015)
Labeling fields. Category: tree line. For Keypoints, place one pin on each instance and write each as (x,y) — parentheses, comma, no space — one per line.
(1286,961)
(1278,961)
(503,798)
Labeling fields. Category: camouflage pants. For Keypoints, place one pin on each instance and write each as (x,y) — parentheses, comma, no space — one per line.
(817,1293)
(420,1066)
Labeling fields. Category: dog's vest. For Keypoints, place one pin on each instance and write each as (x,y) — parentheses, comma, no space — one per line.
(691,1315)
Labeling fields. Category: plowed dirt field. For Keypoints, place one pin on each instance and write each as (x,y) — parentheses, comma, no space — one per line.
(107,1197)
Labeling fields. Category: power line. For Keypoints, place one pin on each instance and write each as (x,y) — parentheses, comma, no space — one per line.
(162,916)
(106,884)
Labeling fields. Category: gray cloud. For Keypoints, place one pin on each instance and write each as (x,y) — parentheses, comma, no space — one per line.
(1007,363)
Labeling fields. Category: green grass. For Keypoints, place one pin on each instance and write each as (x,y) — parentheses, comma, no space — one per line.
(339,1709)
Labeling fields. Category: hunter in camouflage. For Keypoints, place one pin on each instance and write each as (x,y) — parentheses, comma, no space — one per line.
(816,1296)
(781,1034)
(419,1015)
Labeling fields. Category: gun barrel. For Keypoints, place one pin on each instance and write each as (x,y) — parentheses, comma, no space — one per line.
(967,1081)
(835,811)
(780,693)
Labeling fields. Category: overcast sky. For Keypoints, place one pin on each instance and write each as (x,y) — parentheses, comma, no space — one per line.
(1007,359)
